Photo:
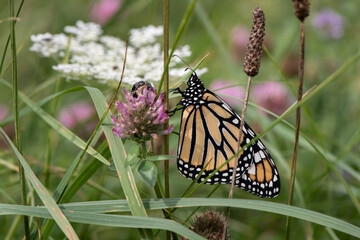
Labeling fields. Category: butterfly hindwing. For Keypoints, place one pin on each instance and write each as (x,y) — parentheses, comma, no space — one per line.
(261,178)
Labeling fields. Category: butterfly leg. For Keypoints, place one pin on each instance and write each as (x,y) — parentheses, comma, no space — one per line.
(172,112)
(177,90)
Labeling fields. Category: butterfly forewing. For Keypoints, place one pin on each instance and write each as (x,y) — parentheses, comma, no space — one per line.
(208,138)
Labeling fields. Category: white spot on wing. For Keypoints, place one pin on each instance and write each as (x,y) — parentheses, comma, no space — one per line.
(262,155)
(251,169)
(275,178)
(257,157)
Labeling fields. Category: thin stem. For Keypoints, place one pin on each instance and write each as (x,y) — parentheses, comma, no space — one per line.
(181,29)
(16,113)
(8,40)
(297,126)
(236,158)
(166,102)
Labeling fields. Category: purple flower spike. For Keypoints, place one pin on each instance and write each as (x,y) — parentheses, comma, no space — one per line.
(142,116)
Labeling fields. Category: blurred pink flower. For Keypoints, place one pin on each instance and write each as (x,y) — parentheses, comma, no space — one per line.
(329,24)
(103,10)
(4,110)
(239,39)
(72,115)
(271,95)
(235,91)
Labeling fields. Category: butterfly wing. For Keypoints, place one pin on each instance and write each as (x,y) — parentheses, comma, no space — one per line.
(261,178)
(209,137)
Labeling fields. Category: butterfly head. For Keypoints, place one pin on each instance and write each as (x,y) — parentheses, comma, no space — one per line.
(194,91)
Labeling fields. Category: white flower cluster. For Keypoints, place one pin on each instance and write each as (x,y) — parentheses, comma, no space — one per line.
(100,57)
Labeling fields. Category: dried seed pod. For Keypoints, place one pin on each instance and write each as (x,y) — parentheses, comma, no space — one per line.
(301,9)
(254,47)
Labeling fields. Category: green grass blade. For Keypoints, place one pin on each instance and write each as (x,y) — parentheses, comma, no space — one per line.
(179,32)
(57,126)
(71,190)
(118,153)
(106,220)
(45,197)
(259,205)
(26,110)
(112,206)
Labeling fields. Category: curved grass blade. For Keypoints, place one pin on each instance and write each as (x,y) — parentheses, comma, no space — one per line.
(57,126)
(118,154)
(45,197)
(107,220)
(259,205)
(113,206)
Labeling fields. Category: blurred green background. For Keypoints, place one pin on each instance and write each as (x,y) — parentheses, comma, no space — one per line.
(331,119)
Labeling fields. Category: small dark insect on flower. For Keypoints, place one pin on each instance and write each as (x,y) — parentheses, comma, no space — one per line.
(139,87)
(142,116)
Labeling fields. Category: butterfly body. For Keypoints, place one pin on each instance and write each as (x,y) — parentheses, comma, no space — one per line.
(209,132)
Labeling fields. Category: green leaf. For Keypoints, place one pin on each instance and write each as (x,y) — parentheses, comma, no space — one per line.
(148,173)
(160,157)
(45,197)
(132,156)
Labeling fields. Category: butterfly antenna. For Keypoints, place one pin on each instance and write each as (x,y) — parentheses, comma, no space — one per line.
(189,67)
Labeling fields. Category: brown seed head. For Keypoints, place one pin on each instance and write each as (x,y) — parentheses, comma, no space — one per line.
(254,47)
(301,9)
(210,225)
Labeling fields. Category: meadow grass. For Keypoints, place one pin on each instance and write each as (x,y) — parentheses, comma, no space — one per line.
(81,184)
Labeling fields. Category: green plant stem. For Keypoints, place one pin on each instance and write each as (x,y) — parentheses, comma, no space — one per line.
(297,125)
(181,29)
(16,113)
(8,39)
(166,93)
(166,102)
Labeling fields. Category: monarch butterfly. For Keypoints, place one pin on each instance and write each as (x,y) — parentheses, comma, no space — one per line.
(208,137)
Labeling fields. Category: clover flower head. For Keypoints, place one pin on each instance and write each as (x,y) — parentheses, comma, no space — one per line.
(141,116)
